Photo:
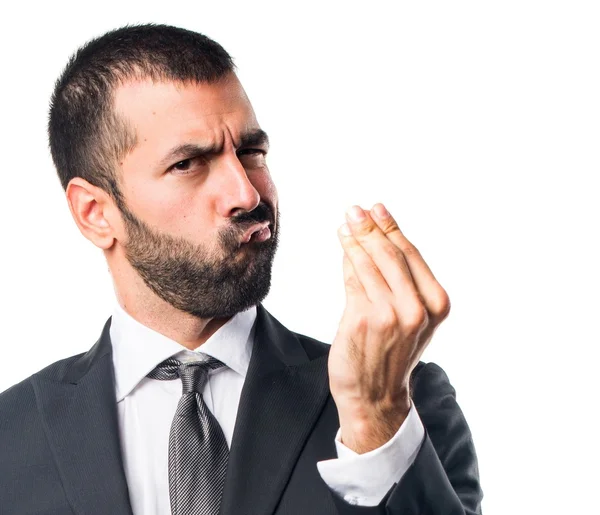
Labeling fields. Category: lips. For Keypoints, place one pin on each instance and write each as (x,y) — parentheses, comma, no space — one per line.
(254,229)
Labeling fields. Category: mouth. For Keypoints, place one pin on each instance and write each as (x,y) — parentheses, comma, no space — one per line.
(258,232)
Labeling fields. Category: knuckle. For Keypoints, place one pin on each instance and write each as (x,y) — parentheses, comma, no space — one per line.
(392,251)
(352,283)
(386,316)
(440,305)
(409,250)
(369,267)
(365,229)
(415,318)
(350,244)
(390,226)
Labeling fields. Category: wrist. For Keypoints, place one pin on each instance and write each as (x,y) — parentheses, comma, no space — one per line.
(365,430)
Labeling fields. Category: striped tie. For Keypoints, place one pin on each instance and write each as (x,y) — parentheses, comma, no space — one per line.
(198,451)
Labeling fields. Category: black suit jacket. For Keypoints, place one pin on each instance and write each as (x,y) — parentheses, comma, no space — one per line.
(60,452)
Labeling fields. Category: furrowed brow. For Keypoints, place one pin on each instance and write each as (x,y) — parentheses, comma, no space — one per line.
(187,150)
(255,137)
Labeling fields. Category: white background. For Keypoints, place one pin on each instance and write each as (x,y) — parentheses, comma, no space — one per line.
(476,123)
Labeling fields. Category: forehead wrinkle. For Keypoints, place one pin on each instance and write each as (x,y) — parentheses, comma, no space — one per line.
(249,137)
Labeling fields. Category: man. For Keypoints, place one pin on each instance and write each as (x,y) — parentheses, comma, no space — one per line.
(195,399)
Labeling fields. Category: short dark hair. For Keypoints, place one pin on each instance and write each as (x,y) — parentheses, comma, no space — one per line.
(86,137)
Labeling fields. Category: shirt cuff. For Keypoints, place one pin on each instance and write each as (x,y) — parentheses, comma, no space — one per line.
(364,479)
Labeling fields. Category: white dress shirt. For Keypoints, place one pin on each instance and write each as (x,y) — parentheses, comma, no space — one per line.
(146,408)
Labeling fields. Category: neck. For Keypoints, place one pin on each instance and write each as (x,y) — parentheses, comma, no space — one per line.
(150,310)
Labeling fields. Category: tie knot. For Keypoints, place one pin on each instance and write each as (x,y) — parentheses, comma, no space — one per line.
(193,374)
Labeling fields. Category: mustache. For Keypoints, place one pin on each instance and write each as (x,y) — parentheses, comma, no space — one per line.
(261,214)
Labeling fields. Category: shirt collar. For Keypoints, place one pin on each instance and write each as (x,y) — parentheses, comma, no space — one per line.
(137,349)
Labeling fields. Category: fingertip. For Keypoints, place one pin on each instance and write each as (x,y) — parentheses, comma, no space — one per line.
(380,211)
(345,231)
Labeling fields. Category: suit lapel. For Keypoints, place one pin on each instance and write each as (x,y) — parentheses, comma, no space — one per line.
(80,416)
(283,394)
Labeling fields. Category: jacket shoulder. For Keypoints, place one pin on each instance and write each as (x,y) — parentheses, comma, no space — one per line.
(20,396)
(19,415)
(26,459)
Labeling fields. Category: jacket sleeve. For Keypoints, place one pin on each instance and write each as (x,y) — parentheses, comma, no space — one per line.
(444,477)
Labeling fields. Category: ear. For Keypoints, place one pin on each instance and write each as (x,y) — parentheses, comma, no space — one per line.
(92,209)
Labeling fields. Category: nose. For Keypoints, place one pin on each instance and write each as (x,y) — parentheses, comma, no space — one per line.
(235,189)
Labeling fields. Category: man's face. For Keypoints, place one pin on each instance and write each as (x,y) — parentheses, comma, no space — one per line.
(196,181)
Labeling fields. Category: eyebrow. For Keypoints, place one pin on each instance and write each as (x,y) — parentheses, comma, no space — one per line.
(255,137)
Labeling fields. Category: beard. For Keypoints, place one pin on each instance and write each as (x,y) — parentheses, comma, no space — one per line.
(197,279)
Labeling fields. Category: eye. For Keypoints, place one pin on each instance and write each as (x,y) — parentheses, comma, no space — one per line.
(252,157)
(251,151)
(187,166)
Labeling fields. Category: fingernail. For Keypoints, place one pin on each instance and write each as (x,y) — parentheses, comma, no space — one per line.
(345,230)
(380,211)
(356,214)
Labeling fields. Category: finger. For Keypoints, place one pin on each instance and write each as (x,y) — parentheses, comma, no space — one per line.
(374,285)
(388,259)
(354,288)
(434,296)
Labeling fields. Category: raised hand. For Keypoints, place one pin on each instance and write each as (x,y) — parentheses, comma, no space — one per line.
(393,306)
